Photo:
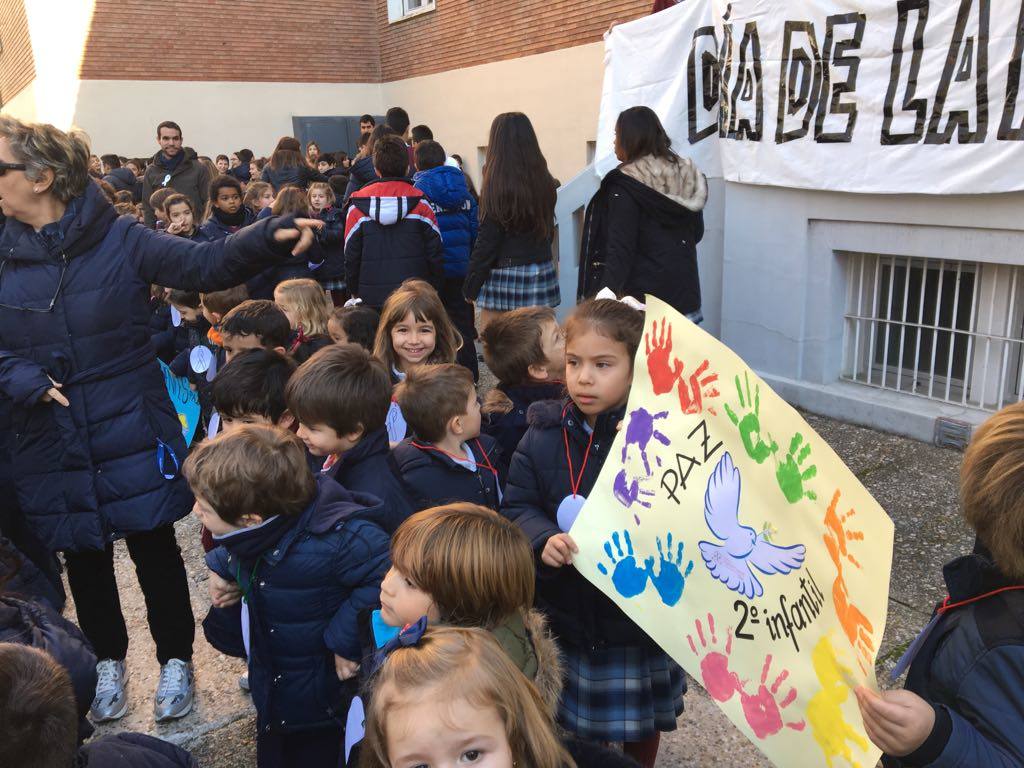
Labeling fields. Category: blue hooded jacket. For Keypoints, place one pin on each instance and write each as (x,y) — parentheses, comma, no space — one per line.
(370,468)
(74,308)
(970,668)
(304,595)
(455,209)
(136,750)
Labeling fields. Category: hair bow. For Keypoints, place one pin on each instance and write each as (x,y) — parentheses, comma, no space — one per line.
(629,301)
(410,635)
(353,302)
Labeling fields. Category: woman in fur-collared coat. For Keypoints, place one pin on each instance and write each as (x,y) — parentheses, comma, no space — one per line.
(642,227)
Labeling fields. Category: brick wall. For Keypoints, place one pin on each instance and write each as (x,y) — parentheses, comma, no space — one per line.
(279,41)
(17,68)
(462,33)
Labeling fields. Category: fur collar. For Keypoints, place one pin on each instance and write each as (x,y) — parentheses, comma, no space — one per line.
(680,181)
(549,660)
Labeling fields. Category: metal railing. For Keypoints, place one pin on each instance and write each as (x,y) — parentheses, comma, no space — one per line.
(946,330)
(570,207)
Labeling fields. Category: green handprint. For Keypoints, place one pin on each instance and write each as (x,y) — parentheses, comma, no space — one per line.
(791,479)
(750,424)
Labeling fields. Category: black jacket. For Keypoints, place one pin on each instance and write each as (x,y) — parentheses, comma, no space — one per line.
(360,174)
(496,248)
(391,235)
(296,175)
(434,478)
(508,427)
(370,468)
(633,238)
(538,480)
(133,750)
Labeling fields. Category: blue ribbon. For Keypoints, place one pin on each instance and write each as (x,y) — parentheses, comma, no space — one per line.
(163,448)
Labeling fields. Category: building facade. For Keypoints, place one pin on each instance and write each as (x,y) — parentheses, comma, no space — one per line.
(236,74)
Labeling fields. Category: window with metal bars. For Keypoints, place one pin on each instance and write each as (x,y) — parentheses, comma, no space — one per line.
(941,329)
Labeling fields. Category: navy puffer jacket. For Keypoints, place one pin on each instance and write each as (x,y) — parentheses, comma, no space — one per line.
(133,749)
(538,480)
(332,241)
(290,175)
(360,174)
(107,465)
(31,623)
(448,196)
(304,595)
(434,478)
(370,468)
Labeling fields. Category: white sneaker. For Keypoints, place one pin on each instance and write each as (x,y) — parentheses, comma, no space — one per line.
(111,701)
(175,691)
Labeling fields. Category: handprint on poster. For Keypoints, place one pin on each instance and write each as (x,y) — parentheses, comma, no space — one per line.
(733,595)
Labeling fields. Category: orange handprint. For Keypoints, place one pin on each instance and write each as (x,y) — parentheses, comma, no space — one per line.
(663,376)
(855,624)
(693,390)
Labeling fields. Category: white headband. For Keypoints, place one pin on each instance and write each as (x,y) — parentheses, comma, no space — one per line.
(629,301)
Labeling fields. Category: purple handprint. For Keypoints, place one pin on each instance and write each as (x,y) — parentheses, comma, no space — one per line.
(629,492)
(640,430)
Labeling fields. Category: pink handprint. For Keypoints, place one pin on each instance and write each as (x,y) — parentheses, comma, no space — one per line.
(694,389)
(663,377)
(762,710)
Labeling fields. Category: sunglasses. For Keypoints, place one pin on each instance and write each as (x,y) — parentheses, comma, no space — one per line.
(5,167)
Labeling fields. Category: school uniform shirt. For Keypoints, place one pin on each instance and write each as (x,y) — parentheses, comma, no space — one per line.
(433,477)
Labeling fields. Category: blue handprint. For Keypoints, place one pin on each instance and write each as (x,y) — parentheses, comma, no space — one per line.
(670,581)
(629,579)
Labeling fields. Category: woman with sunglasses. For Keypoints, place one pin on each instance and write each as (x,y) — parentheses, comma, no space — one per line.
(95,444)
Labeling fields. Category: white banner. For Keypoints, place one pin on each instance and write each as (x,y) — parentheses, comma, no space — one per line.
(876,96)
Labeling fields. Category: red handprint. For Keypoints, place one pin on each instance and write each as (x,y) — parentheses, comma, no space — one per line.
(762,710)
(663,377)
(693,390)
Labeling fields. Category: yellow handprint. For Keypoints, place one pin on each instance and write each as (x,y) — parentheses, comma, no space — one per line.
(824,710)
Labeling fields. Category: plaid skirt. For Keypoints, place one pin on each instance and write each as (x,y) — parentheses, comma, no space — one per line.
(527,285)
(625,693)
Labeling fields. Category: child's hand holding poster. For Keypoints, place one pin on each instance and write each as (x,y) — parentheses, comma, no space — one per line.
(728,530)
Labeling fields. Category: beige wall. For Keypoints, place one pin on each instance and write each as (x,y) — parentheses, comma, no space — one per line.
(559,90)
(216,117)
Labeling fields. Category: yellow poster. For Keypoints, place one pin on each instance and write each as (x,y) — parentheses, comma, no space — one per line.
(728,530)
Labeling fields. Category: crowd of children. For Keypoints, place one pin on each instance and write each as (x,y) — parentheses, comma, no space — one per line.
(381,539)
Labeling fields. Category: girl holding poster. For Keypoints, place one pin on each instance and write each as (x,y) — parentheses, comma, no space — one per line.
(619,686)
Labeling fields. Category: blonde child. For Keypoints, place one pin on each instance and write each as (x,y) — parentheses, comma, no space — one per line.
(331,272)
(453,697)
(304,303)
(619,686)
(414,329)
(258,195)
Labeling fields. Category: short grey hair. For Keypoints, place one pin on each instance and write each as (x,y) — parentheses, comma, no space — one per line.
(40,146)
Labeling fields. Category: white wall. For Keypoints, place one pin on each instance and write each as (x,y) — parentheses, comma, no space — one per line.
(559,90)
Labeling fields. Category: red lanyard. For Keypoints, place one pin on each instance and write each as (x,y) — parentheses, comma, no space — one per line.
(574,482)
(483,461)
(948,606)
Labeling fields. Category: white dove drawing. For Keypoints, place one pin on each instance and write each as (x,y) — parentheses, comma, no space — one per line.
(744,547)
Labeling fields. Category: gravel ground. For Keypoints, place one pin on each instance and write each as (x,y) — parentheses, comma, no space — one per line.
(916,483)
